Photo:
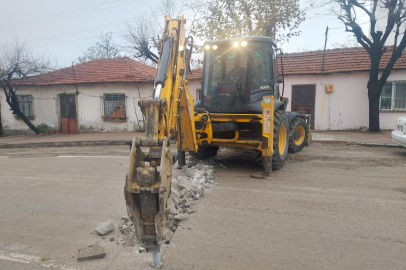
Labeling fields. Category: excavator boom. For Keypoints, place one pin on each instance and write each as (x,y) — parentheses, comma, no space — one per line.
(169,115)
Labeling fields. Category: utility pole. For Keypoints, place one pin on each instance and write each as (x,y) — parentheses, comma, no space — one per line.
(324,53)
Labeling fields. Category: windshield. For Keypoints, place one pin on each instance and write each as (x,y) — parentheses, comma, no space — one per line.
(225,77)
(261,68)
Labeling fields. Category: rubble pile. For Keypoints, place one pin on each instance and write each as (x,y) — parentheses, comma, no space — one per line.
(187,187)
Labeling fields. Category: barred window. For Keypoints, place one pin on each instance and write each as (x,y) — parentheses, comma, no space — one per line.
(25,104)
(393,97)
(114,107)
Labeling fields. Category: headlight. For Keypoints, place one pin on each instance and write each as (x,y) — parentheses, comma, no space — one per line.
(215,47)
(207,47)
(244,43)
(235,44)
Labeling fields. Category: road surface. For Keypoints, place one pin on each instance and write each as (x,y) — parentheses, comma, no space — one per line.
(330,207)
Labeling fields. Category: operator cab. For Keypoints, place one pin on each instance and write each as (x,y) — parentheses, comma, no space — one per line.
(237,73)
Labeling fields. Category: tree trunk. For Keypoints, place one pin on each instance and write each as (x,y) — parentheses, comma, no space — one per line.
(27,122)
(373,98)
(11,100)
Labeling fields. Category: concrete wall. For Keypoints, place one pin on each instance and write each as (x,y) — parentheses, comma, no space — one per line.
(90,107)
(345,108)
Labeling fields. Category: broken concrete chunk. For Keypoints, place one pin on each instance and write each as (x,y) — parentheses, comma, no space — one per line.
(105,227)
(199,191)
(180,217)
(125,219)
(195,173)
(171,206)
(112,238)
(174,193)
(91,252)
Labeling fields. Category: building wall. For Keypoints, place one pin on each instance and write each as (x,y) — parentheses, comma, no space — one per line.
(193,86)
(347,107)
(90,107)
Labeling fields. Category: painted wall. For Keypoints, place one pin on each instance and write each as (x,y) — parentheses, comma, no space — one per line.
(193,85)
(90,107)
(345,108)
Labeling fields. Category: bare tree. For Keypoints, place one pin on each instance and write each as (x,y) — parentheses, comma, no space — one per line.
(142,40)
(395,13)
(104,49)
(143,35)
(17,63)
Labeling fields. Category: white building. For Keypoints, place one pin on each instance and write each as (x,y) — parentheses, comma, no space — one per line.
(96,96)
(344,104)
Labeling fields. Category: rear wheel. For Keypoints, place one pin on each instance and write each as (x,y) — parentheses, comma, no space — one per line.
(204,152)
(298,135)
(280,139)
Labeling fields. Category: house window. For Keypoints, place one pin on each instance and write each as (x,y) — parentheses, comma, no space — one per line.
(25,104)
(393,97)
(114,107)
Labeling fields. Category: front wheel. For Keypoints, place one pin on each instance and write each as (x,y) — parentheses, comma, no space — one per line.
(298,135)
(280,139)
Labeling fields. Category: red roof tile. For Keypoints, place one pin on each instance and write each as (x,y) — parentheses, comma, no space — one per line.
(336,61)
(197,74)
(123,69)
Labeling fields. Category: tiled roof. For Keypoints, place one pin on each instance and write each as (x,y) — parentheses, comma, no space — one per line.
(197,74)
(336,61)
(123,69)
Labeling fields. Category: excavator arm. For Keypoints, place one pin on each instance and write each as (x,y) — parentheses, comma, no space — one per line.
(169,116)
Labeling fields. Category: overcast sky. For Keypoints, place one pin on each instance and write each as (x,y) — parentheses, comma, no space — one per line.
(66,28)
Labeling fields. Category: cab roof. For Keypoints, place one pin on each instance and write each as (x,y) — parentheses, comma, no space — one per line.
(248,38)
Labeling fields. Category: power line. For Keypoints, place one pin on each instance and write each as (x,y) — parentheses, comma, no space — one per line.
(132,2)
(64,42)
(7,25)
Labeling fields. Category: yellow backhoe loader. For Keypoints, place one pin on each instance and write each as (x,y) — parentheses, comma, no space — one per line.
(239,106)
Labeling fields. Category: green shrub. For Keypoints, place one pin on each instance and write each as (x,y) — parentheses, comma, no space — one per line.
(44,128)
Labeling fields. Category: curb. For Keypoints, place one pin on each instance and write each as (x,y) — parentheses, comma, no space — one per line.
(62,144)
(389,145)
(328,142)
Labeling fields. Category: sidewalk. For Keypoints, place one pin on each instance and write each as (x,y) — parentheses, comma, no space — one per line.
(106,138)
(356,137)
(328,137)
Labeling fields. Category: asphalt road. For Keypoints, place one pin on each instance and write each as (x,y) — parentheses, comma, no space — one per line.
(330,207)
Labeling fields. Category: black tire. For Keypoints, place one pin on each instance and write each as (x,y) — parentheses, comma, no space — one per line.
(280,123)
(278,159)
(204,152)
(298,135)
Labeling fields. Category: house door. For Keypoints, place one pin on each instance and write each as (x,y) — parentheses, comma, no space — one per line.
(68,114)
(303,99)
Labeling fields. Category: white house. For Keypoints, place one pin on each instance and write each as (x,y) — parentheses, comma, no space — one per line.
(95,96)
(337,96)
